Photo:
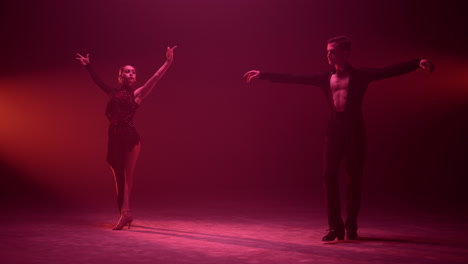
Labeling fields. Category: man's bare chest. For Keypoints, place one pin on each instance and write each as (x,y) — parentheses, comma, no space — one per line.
(339,84)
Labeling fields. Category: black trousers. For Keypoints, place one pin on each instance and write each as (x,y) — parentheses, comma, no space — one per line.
(345,141)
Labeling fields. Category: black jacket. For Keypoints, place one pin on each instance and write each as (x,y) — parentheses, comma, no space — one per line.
(358,82)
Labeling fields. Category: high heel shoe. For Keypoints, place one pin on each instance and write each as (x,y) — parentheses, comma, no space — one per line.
(125,219)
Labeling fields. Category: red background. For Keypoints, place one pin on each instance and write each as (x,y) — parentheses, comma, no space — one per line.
(205,133)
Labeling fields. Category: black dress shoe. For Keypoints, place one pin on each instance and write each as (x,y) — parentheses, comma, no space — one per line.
(332,234)
(351,234)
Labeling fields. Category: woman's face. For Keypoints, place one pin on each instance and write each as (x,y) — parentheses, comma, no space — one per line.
(127,75)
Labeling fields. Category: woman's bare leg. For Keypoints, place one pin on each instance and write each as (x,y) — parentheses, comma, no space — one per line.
(124,185)
(129,168)
(119,178)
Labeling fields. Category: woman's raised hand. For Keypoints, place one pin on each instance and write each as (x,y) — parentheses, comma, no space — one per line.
(251,75)
(170,53)
(84,60)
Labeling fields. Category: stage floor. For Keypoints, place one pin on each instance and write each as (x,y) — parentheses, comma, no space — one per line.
(226,233)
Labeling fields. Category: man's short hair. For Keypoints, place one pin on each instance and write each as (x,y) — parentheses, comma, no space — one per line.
(342,42)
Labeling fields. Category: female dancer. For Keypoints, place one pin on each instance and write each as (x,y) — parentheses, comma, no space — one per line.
(124,144)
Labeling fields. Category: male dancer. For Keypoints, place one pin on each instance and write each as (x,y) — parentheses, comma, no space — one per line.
(344,88)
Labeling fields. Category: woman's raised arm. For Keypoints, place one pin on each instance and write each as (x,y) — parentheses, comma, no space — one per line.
(144,90)
(86,62)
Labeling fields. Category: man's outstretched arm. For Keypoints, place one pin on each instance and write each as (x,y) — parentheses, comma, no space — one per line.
(400,69)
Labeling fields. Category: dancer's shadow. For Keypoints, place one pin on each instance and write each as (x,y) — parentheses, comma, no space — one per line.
(381,241)
(387,240)
(321,250)
(231,240)
(239,241)
(361,240)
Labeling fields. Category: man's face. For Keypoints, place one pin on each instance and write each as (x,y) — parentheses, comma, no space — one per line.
(336,55)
